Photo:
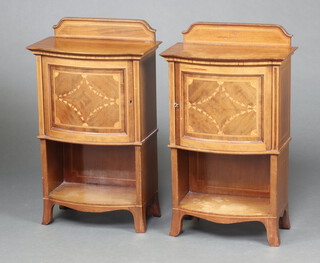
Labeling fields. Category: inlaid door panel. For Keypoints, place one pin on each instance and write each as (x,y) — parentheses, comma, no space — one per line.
(87,99)
(224,108)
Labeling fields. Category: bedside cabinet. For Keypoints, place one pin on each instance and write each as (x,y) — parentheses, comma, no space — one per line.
(230,125)
(97,117)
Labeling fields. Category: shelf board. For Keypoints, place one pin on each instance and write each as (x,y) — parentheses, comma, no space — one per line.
(225,204)
(94,194)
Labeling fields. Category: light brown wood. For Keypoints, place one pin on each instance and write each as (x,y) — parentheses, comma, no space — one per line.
(96,164)
(284,103)
(176,222)
(47,211)
(225,204)
(235,34)
(229,174)
(149,165)
(52,166)
(105,28)
(223,53)
(215,100)
(148,94)
(272,228)
(229,125)
(88,97)
(179,172)
(94,194)
(97,117)
(282,181)
(93,48)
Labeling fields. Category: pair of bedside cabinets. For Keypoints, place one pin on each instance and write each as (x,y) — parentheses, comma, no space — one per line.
(229,121)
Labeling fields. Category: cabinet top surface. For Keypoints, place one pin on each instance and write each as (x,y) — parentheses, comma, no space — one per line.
(103,47)
(227,52)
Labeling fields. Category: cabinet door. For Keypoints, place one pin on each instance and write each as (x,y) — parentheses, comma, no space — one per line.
(88,100)
(224,108)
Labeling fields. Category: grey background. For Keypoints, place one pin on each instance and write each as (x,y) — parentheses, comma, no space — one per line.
(110,237)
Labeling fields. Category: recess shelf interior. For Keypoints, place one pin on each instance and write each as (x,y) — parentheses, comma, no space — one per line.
(225,204)
(94,194)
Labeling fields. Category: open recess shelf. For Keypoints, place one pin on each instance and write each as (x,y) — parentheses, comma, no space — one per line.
(225,205)
(91,194)
(224,184)
(92,174)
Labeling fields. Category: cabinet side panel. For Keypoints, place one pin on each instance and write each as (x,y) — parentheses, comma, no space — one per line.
(52,165)
(282,180)
(180,175)
(150,167)
(174,96)
(40,95)
(284,100)
(148,95)
(183,170)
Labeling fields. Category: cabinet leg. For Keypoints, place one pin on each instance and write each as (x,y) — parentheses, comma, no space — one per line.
(272,227)
(176,224)
(139,217)
(284,221)
(154,208)
(47,212)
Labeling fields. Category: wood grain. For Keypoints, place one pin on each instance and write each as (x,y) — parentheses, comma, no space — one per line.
(52,165)
(179,173)
(104,28)
(282,182)
(222,53)
(148,99)
(94,194)
(230,174)
(224,108)
(235,33)
(93,47)
(284,101)
(97,164)
(88,98)
(225,204)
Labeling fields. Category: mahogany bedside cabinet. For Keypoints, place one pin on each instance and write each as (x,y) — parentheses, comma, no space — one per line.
(97,117)
(230,125)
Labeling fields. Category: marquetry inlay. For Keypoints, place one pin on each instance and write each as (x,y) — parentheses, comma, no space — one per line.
(223,105)
(87,99)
